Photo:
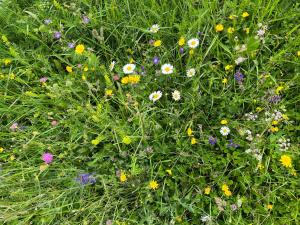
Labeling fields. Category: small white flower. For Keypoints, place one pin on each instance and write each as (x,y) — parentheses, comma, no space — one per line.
(205,218)
(261,32)
(155,96)
(190,72)
(167,69)
(112,65)
(239,60)
(224,131)
(154,28)
(128,68)
(193,43)
(176,95)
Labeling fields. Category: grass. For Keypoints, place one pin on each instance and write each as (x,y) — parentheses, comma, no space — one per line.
(72,117)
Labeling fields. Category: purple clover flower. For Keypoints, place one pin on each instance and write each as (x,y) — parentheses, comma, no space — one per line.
(212,140)
(86,178)
(238,76)
(47,157)
(47,21)
(85,19)
(57,35)
(155,60)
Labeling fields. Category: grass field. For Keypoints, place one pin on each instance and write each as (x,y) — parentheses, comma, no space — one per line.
(149,112)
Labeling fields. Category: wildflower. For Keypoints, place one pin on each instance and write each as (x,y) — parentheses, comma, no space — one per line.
(285,117)
(85,19)
(224,122)
(230,30)
(206,218)
(279,89)
(232,17)
(71,45)
(69,69)
(169,172)
(269,207)
(57,35)
(85,69)
(274,99)
(112,65)
(247,30)
(155,96)
(47,157)
(238,76)
(189,132)
(212,140)
(12,158)
(239,60)
(286,161)
(43,79)
(191,52)
(125,80)
(224,131)
(207,190)
(47,21)
(181,41)
(260,166)
(226,190)
(245,14)
(108,92)
(181,50)
(123,177)
(155,60)
(116,77)
(274,129)
(193,141)
(193,43)
(176,95)
(219,27)
(275,122)
(154,28)
(157,43)
(126,140)
(167,69)
(153,185)
(7,61)
(1,149)
(190,72)
(228,67)
(134,79)
(232,144)
(86,178)
(14,127)
(128,68)
(298,53)
(79,49)
(54,122)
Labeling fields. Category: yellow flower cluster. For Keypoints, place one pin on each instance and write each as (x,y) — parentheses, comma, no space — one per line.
(226,190)
(131,79)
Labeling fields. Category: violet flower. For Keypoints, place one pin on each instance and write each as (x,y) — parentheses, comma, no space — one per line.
(47,157)
(155,60)
(57,35)
(86,178)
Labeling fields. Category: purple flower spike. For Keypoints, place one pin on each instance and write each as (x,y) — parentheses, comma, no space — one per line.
(57,35)
(181,50)
(155,60)
(47,157)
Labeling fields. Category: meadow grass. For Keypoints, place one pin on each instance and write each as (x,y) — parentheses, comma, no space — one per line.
(109,140)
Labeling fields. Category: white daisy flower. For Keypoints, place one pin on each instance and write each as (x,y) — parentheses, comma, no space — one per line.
(193,43)
(190,72)
(224,131)
(154,28)
(128,68)
(155,96)
(176,95)
(167,69)
(112,65)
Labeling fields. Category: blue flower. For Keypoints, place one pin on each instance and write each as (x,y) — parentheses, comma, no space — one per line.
(212,140)
(86,178)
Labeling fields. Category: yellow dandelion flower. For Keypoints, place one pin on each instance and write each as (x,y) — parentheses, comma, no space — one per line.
(193,141)
(125,80)
(169,172)
(219,27)
(245,14)
(286,161)
(225,81)
(133,79)
(189,131)
(79,49)
(123,177)
(108,92)
(260,166)
(207,190)
(230,30)
(269,207)
(126,140)
(69,69)
(224,122)
(157,43)
(181,41)
(153,185)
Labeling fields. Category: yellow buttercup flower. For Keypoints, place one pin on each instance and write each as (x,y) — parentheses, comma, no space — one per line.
(157,43)
(7,61)
(219,27)
(193,141)
(189,131)
(79,49)
(207,190)
(226,190)
(69,69)
(181,41)
(228,67)
(286,161)
(247,30)
(230,30)
(169,172)
(245,14)
(125,80)
(1,149)
(270,207)
(126,140)
(153,185)
(279,90)
(225,81)
(123,177)
(224,122)
(274,129)
(275,122)
(85,69)
(108,92)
